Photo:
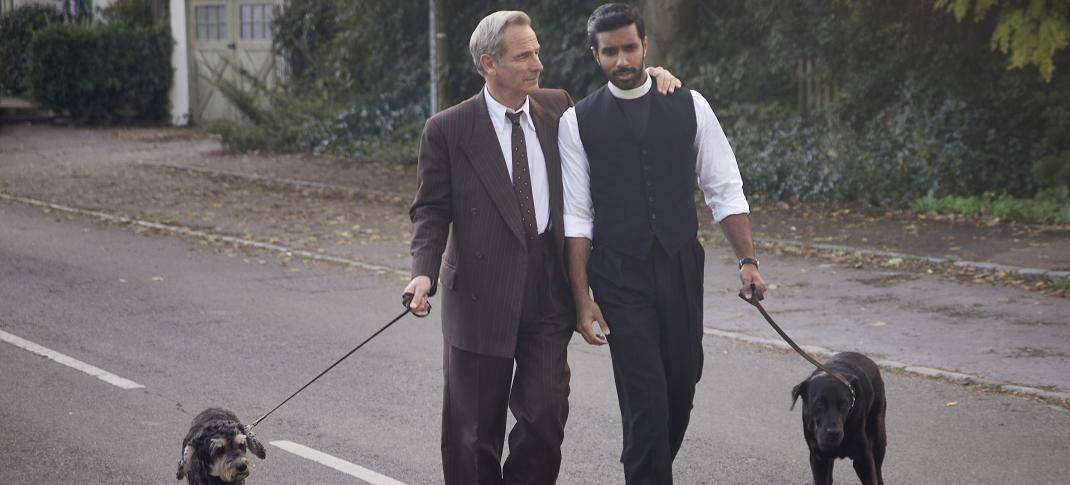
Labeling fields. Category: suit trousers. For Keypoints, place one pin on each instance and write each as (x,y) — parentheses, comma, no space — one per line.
(479,389)
(653,306)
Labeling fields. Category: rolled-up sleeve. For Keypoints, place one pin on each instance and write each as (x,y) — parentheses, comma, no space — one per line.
(575,171)
(716,167)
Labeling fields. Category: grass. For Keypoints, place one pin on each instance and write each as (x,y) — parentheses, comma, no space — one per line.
(1049,206)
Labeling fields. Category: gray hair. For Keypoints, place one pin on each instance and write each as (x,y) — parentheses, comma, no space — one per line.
(488,36)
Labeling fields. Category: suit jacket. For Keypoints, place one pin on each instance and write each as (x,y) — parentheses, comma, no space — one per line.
(463,182)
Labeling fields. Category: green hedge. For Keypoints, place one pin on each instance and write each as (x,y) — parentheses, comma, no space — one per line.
(16,32)
(924,106)
(103,74)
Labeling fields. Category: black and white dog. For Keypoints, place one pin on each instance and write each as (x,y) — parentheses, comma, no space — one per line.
(838,426)
(213,451)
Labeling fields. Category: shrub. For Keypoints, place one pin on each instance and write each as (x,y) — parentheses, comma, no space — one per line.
(920,105)
(1053,171)
(16,32)
(359,81)
(132,13)
(1049,206)
(103,74)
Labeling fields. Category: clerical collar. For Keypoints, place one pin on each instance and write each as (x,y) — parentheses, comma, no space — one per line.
(631,93)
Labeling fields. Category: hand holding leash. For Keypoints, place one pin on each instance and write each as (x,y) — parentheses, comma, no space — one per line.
(417,293)
(757,304)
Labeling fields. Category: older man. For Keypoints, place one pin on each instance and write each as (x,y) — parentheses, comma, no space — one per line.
(490,168)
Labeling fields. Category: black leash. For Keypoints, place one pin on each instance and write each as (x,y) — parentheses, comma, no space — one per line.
(405,300)
(835,375)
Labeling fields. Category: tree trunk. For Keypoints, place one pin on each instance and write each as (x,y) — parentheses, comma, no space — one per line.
(659,16)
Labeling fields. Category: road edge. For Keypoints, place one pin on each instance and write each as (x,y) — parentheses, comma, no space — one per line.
(922,371)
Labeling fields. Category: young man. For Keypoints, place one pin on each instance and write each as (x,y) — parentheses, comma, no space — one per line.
(630,158)
(489,203)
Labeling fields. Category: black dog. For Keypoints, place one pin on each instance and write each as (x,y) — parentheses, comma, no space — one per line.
(213,451)
(835,427)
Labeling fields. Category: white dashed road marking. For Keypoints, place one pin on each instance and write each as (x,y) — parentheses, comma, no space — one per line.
(336,463)
(69,361)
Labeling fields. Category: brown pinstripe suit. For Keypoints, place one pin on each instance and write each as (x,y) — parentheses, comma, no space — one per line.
(504,298)
(463,180)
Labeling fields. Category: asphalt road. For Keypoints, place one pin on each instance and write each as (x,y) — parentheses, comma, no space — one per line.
(198,326)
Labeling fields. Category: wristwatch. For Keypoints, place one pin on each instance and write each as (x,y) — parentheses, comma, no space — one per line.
(748,261)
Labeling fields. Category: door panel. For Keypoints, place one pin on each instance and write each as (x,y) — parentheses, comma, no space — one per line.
(225,34)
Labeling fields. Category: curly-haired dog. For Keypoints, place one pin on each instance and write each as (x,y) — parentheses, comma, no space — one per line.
(213,451)
(834,428)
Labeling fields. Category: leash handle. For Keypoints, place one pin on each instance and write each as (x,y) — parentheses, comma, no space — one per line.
(406,299)
(835,375)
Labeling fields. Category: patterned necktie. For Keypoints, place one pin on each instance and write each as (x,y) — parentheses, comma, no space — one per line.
(521,177)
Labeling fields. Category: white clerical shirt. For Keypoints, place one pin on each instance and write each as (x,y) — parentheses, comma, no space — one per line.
(715,167)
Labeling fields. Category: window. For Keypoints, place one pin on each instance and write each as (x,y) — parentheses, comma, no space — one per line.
(211,22)
(256,21)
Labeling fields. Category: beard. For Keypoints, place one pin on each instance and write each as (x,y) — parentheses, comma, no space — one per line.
(635,80)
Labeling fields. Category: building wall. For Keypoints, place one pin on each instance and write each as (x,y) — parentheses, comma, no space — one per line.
(180,61)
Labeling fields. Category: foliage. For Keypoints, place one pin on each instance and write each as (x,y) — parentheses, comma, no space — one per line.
(359,72)
(1030,31)
(919,108)
(1053,171)
(1049,206)
(16,32)
(561,27)
(102,74)
(132,13)
(353,88)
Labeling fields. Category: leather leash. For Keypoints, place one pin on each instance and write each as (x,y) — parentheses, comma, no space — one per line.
(405,300)
(835,375)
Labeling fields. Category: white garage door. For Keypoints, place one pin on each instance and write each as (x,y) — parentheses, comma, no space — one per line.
(224,34)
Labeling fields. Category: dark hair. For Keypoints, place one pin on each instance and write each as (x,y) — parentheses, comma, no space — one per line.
(612,16)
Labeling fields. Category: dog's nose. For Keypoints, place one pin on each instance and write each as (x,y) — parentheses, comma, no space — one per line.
(241,467)
(833,435)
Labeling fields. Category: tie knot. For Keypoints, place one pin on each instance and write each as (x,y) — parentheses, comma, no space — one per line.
(514,117)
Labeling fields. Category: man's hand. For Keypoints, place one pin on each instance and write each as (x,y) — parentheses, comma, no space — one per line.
(664,81)
(419,287)
(749,275)
(587,312)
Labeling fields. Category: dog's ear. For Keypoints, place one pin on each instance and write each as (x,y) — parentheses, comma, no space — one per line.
(254,445)
(257,448)
(855,383)
(183,464)
(798,390)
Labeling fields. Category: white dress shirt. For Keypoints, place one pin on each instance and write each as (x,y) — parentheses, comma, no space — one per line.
(540,183)
(715,167)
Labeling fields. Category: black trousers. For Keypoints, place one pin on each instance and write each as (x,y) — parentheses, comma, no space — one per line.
(653,306)
(480,388)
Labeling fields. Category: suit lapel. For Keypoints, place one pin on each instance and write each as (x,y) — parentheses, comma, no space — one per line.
(485,154)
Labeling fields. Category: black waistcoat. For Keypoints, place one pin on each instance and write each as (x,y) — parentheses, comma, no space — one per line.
(642,187)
